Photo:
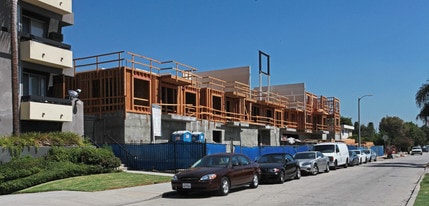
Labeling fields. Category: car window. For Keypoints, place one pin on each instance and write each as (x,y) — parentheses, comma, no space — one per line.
(243,160)
(304,155)
(271,158)
(324,148)
(235,161)
(288,158)
(212,161)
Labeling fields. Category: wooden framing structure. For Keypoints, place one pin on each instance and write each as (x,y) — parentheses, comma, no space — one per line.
(131,83)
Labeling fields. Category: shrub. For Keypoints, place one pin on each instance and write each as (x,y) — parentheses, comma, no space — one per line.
(59,163)
(86,155)
(15,144)
(57,170)
(20,167)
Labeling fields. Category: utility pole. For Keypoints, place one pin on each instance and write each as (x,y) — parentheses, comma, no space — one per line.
(367,95)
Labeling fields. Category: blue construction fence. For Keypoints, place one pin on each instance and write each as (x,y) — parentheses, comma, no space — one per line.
(173,156)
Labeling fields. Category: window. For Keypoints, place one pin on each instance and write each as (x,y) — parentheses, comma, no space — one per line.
(34,84)
(34,26)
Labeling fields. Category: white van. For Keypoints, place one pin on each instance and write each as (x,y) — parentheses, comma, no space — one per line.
(337,152)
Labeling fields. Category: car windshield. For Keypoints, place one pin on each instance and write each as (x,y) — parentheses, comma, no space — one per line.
(366,151)
(307,155)
(417,147)
(272,158)
(212,161)
(358,152)
(325,148)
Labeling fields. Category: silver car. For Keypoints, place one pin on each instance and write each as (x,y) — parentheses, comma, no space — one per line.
(368,154)
(312,162)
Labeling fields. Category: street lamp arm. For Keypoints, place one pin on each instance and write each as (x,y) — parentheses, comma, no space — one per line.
(366,95)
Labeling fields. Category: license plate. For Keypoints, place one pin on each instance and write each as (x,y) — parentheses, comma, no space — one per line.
(186,185)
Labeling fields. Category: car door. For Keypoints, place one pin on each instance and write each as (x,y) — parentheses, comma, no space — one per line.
(290,165)
(235,172)
(321,162)
(247,168)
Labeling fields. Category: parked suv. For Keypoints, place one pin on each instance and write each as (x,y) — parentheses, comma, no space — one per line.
(416,150)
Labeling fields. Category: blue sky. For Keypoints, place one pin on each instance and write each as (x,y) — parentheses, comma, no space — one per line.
(339,48)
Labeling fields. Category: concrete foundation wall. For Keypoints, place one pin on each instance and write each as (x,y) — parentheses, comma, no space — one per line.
(6,115)
(136,128)
(28,151)
(76,126)
(105,129)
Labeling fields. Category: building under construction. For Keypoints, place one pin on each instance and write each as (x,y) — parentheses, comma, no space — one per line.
(130,98)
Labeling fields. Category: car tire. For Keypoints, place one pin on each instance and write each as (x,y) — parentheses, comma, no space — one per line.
(224,186)
(298,173)
(346,164)
(335,165)
(255,181)
(315,170)
(282,178)
(327,167)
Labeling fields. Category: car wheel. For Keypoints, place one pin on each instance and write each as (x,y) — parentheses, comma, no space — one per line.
(255,181)
(281,177)
(315,170)
(346,164)
(298,173)
(327,167)
(335,165)
(224,186)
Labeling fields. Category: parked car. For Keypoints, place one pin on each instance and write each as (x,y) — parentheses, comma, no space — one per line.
(368,154)
(312,162)
(218,172)
(374,155)
(278,167)
(362,157)
(353,158)
(416,150)
(425,148)
(337,152)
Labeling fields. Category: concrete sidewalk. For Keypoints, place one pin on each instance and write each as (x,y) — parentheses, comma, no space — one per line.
(121,196)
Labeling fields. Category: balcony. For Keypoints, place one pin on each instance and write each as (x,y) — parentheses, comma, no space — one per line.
(35,52)
(46,109)
(62,7)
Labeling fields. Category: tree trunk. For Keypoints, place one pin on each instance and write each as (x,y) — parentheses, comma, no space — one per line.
(15,68)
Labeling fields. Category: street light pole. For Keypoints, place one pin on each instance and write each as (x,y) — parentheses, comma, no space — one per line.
(367,95)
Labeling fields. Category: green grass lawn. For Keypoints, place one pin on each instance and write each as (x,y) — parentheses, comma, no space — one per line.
(423,196)
(99,182)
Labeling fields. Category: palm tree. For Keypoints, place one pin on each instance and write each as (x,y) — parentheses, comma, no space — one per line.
(15,73)
(422,101)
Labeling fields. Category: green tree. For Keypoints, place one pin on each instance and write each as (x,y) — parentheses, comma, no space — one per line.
(393,128)
(368,132)
(413,132)
(422,101)
(346,121)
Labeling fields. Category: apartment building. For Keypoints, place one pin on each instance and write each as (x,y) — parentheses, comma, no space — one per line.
(44,61)
(131,98)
